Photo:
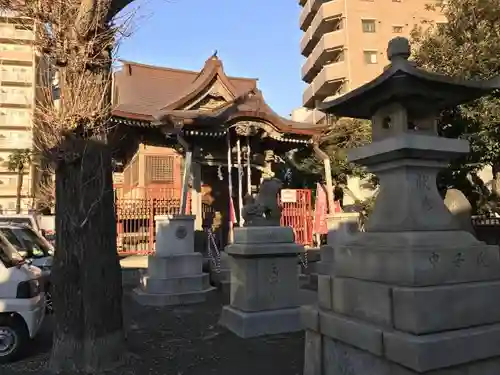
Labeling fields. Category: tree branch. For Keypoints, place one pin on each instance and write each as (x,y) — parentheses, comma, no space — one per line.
(116,7)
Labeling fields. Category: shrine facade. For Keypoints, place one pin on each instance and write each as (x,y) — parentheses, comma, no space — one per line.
(231,135)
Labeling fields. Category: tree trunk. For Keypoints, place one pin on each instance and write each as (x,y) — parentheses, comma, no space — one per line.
(19,189)
(87,294)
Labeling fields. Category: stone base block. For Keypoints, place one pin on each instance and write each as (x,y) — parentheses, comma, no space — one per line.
(149,299)
(175,265)
(175,285)
(423,354)
(331,357)
(324,268)
(417,258)
(260,323)
(263,235)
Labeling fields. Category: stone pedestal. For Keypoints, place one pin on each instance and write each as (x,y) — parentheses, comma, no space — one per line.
(264,282)
(175,274)
(408,303)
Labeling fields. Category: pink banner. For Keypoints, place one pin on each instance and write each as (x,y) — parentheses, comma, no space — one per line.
(320,210)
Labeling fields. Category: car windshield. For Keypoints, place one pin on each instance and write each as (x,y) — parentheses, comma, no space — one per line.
(35,246)
(27,242)
(8,254)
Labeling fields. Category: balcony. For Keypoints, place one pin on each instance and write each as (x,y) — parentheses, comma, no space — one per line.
(328,18)
(10,32)
(17,77)
(8,186)
(314,116)
(308,12)
(13,144)
(329,82)
(329,49)
(16,55)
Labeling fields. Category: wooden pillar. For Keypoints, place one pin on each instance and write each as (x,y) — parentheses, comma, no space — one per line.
(230,187)
(249,167)
(240,183)
(142,184)
(196,203)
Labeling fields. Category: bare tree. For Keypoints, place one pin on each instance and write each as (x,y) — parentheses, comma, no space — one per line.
(77,38)
(18,161)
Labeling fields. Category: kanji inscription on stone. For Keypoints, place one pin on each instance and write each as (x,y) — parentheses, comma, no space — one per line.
(434,259)
(481,260)
(274,278)
(458,260)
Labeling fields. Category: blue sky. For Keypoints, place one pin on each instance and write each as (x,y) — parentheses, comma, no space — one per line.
(254,38)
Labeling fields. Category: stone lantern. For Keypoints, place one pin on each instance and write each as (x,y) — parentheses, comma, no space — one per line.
(414,294)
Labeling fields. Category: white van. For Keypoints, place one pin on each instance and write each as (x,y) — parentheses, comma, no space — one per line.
(22,302)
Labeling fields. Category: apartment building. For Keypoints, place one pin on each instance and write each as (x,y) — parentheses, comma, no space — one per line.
(18,82)
(345,43)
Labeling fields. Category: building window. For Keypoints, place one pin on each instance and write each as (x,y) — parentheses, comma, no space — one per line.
(397,29)
(368,26)
(370,57)
(160,169)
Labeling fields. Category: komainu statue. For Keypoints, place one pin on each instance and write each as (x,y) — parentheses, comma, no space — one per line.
(265,209)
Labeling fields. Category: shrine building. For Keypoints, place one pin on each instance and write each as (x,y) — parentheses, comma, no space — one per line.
(232,136)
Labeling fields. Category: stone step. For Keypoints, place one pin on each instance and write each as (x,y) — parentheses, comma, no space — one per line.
(175,265)
(149,299)
(174,285)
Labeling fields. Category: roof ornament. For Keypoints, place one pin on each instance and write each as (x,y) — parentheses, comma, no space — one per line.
(214,56)
(399,51)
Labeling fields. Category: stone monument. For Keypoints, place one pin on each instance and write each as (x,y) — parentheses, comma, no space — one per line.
(415,293)
(175,274)
(264,295)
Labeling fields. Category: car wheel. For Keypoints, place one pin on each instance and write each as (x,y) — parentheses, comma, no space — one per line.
(13,336)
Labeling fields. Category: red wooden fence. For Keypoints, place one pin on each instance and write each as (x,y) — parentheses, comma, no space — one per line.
(136,209)
(298,214)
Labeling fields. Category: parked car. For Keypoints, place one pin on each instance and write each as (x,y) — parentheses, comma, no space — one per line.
(43,224)
(26,219)
(34,248)
(22,301)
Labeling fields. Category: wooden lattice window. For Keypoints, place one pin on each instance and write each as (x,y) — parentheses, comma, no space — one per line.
(160,169)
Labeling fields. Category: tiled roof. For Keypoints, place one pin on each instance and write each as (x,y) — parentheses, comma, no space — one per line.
(145,89)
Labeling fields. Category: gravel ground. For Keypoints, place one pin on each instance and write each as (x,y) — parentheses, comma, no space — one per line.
(185,341)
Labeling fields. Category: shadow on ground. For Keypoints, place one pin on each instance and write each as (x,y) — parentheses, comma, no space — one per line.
(185,341)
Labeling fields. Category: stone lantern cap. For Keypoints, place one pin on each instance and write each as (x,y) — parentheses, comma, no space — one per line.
(420,92)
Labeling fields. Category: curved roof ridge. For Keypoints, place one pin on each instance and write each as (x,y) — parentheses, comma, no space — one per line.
(212,69)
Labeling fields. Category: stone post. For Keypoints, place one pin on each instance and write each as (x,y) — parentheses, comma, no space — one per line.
(341,227)
(175,274)
(264,282)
